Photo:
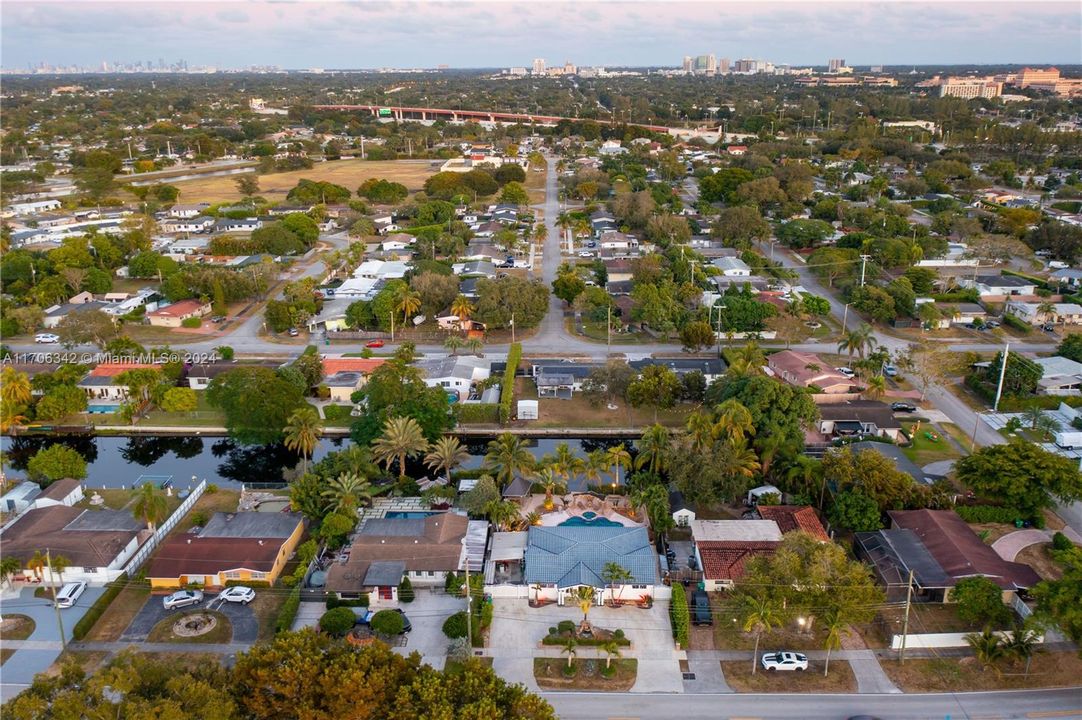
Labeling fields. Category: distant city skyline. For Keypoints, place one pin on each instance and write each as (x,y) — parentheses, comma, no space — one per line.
(293,35)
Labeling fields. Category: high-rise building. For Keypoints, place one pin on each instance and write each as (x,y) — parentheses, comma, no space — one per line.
(539,66)
(968,88)
(723,66)
(569,68)
(835,63)
(688,64)
(1036,76)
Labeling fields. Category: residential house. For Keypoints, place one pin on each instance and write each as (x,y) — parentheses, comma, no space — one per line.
(382,269)
(711,368)
(238,225)
(857,418)
(808,370)
(619,270)
(616,240)
(20,498)
(475,269)
(559,560)
(1034,314)
(794,518)
(384,550)
(991,286)
(732,267)
(344,376)
(56,313)
(241,546)
(189,246)
(173,316)
(34,207)
(724,547)
(97,543)
(201,224)
(940,549)
(104,393)
(397,242)
(455,374)
(188,211)
(1067,276)
(200,375)
(561,380)
(1060,376)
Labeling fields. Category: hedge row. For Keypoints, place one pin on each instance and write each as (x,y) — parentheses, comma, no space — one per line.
(680,615)
(288,613)
(989,514)
(480,413)
(1017,323)
(586,642)
(248,583)
(333,601)
(507,390)
(99,607)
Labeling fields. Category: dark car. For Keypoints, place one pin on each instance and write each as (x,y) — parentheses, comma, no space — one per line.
(903,407)
(364,617)
(700,603)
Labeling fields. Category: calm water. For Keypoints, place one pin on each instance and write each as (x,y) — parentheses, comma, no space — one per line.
(114,462)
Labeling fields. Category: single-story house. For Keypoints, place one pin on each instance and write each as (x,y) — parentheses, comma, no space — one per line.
(246,546)
(188,211)
(97,543)
(342,385)
(732,267)
(189,246)
(104,394)
(808,370)
(999,285)
(1067,276)
(200,224)
(475,269)
(561,380)
(455,374)
(1061,313)
(682,515)
(1061,376)
(794,518)
(382,269)
(56,313)
(711,368)
(561,559)
(174,315)
(384,550)
(859,417)
(724,547)
(20,498)
(506,558)
(940,549)
(241,225)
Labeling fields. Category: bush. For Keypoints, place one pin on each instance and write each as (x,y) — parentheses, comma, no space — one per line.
(338,621)
(681,616)
(405,591)
(479,413)
(565,626)
(333,601)
(192,322)
(486,614)
(507,390)
(1061,542)
(455,626)
(1018,324)
(990,514)
(254,584)
(385,622)
(288,612)
(453,583)
(99,607)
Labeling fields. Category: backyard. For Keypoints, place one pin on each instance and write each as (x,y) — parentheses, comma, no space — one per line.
(578,412)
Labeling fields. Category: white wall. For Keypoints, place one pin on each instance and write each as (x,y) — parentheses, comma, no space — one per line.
(939,640)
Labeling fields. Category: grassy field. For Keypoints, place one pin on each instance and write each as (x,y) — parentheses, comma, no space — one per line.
(924,450)
(274,187)
(839,680)
(1058,669)
(578,412)
(549,673)
(266,605)
(220,633)
(118,616)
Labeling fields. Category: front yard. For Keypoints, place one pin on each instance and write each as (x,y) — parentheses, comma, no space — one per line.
(840,679)
(118,616)
(1053,669)
(588,674)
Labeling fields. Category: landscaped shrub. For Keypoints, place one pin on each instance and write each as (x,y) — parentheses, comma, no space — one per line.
(994,514)
(565,626)
(99,607)
(386,622)
(288,612)
(479,413)
(1017,323)
(333,601)
(192,322)
(486,614)
(1061,542)
(405,590)
(507,390)
(254,584)
(338,621)
(680,615)
(455,626)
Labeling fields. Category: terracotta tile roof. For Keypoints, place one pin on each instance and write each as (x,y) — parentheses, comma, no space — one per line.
(114,369)
(791,518)
(179,309)
(727,560)
(189,554)
(362,365)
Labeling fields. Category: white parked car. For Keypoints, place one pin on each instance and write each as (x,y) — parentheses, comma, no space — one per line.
(182,598)
(785,661)
(46,338)
(585,254)
(239,594)
(845,371)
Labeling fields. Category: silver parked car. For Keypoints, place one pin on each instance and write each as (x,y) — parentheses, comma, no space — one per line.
(182,598)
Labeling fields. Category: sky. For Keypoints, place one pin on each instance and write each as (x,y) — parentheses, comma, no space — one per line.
(407,33)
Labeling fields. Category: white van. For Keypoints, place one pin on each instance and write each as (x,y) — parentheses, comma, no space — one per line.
(69,594)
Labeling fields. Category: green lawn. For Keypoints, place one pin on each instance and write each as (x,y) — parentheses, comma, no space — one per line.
(924,450)
(203,416)
(338,415)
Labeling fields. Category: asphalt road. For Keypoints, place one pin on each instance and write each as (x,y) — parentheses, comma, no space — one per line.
(985,706)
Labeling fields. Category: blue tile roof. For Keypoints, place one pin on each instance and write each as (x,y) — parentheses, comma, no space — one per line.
(569,556)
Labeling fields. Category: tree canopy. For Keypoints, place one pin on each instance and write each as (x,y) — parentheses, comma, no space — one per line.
(1021,475)
(257,403)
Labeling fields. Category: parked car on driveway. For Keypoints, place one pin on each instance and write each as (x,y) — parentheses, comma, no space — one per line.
(701,603)
(237,594)
(903,407)
(782,660)
(182,598)
(845,371)
(46,338)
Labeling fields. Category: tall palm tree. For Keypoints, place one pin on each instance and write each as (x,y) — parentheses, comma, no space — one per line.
(584,598)
(15,387)
(654,501)
(150,504)
(596,466)
(507,456)
(565,462)
(760,614)
(835,625)
(503,514)
(540,232)
(302,433)
(752,354)
(462,308)
(876,387)
(618,457)
(10,417)
(9,566)
(1023,643)
(1048,310)
(738,460)
(453,343)
(36,563)
(547,477)
(616,574)
(445,454)
(806,472)
(734,421)
(1033,415)
(611,650)
(857,341)
(475,345)
(402,438)
(569,645)
(700,430)
(347,492)
(653,449)
(407,301)
(772,447)
(58,564)
(986,646)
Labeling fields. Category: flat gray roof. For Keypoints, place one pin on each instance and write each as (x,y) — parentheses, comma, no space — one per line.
(251,525)
(105,520)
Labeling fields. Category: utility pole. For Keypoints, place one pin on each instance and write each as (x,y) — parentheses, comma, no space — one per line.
(59,620)
(512,327)
(392,326)
(469,604)
(863,267)
(608,328)
(845,315)
(905,623)
(1002,376)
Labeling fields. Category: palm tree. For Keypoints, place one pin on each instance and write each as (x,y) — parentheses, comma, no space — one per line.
(503,514)
(835,626)
(302,433)
(653,449)
(760,614)
(532,518)
(596,466)
(547,477)
(751,354)
(770,448)
(1023,643)
(150,504)
(569,645)
(618,457)
(58,564)
(453,343)
(475,345)
(9,566)
(1047,309)
(611,650)
(987,647)
(654,501)
(446,453)
(616,574)
(584,598)
(807,471)
(15,387)
(407,301)
(566,463)
(856,341)
(734,421)
(347,492)
(1033,415)
(462,308)
(10,417)
(540,232)
(699,429)
(738,460)
(1048,425)
(402,438)
(36,563)
(507,456)
(876,387)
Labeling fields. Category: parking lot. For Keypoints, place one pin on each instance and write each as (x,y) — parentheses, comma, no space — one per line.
(242,618)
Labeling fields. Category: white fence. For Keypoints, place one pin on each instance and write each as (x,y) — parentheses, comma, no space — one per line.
(509,591)
(940,640)
(159,534)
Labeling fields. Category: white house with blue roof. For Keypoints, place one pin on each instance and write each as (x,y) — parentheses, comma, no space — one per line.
(561,559)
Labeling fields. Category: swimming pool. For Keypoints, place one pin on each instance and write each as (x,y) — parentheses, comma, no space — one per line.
(589,519)
(404,514)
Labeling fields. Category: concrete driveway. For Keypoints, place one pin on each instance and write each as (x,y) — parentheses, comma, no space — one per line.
(242,617)
(23,665)
(426,613)
(517,630)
